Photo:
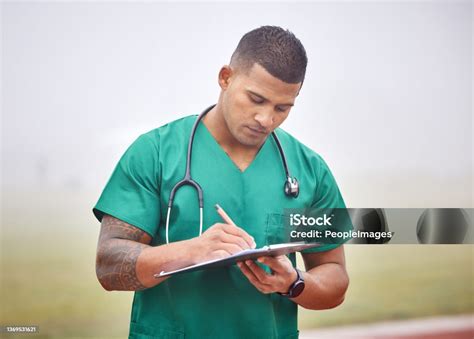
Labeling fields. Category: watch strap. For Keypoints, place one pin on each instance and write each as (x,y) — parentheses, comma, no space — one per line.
(297,283)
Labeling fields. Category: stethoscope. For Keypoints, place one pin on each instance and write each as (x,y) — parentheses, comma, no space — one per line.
(291,187)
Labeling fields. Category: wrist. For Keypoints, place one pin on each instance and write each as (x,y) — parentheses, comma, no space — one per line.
(193,250)
(296,287)
(290,279)
(293,276)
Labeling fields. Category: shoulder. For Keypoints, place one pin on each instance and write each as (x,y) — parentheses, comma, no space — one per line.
(299,151)
(311,168)
(147,146)
(142,157)
(305,161)
(178,128)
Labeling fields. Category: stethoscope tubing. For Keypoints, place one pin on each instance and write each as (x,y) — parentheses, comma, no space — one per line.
(189,181)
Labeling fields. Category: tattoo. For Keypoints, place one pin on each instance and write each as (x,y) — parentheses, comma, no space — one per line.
(120,245)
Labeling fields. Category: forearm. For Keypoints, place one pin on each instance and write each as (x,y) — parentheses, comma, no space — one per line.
(125,261)
(325,287)
(126,265)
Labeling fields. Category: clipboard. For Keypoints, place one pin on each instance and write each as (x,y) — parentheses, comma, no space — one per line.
(270,250)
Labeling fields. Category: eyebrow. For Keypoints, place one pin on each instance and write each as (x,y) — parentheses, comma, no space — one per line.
(265,99)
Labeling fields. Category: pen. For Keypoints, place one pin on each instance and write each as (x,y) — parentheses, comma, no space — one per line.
(229,221)
(224,215)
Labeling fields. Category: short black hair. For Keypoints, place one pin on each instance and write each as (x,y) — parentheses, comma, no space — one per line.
(277,50)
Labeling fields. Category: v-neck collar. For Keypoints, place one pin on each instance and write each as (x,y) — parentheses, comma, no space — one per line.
(219,150)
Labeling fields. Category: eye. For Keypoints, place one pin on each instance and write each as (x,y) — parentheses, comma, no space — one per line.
(255,99)
(281,109)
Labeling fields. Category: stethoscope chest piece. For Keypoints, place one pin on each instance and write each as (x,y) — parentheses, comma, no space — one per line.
(292,187)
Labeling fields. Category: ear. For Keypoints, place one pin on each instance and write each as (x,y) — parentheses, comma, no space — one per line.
(225,75)
(300,87)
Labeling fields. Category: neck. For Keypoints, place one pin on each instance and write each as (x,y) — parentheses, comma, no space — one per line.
(215,123)
(241,154)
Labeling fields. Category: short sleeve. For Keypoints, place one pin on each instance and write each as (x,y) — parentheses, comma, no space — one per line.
(328,197)
(131,193)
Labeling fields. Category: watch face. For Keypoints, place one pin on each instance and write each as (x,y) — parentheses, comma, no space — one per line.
(297,289)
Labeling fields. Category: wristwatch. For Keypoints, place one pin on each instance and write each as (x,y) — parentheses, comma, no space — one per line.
(297,287)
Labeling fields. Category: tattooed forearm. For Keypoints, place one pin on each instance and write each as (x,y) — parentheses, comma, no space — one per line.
(116,265)
(120,245)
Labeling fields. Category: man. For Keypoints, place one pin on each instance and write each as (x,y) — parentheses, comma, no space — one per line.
(238,166)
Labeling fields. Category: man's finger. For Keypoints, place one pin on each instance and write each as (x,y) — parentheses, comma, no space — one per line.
(274,264)
(229,248)
(261,275)
(233,239)
(248,273)
(234,230)
(252,278)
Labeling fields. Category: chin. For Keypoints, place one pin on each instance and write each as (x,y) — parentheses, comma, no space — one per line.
(249,141)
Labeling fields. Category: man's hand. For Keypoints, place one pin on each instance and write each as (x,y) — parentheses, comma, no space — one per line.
(282,274)
(220,241)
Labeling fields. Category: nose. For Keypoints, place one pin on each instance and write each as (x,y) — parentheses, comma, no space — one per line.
(265,119)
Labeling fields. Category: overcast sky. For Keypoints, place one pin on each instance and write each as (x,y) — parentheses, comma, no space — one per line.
(387,99)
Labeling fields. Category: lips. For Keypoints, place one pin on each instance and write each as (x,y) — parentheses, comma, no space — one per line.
(256,130)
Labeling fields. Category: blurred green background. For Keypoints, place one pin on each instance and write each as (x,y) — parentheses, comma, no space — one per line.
(48,276)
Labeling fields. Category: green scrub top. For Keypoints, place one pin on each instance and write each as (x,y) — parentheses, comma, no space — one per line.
(218,303)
